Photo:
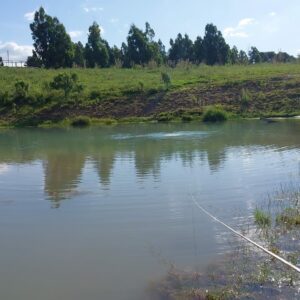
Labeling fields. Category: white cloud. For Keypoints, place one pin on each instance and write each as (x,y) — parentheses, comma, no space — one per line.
(239,30)
(273,14)
(233,32)
(114,20)
(29,16)
(75,34)
(102,30)
(16,52)
(88,9)
(245,22)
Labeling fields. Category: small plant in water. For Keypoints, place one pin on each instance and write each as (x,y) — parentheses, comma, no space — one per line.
(289,217)
(261,218)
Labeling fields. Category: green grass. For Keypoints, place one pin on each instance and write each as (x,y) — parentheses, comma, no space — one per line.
(119,81)
(214,114)
(289,217)
(261,218)
(81,121)
(246,91)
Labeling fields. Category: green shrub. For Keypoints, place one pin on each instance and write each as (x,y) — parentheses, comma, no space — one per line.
(3,124)
(67,83)
(245,99)
(5,99)
(81,121)
(214,114)
(166,79)
(141,86)
(187,118)
(164,117)
(21,89)
(152,91)
(95,95)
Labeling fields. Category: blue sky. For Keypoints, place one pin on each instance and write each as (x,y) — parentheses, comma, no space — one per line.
(266,24)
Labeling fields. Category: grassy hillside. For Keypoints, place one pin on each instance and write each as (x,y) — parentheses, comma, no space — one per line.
(266,89)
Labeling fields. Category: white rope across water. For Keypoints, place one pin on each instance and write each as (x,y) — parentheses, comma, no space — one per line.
(247,239)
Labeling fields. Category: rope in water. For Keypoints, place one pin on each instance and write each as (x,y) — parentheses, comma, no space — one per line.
(247,239)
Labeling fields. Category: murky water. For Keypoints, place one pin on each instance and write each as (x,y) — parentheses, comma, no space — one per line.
(97,213)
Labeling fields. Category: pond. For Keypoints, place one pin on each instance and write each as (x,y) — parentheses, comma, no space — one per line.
(98,213)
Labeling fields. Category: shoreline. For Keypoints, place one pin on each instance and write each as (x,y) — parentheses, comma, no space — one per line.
(67,123)
(138,95)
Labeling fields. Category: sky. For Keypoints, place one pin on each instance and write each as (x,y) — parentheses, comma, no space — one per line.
(267,24)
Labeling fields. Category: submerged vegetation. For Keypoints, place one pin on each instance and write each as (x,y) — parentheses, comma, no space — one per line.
(246,273)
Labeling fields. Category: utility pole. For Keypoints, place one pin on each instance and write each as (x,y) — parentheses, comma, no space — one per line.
(8,57)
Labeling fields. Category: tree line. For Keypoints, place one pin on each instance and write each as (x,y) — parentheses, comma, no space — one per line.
(53,48)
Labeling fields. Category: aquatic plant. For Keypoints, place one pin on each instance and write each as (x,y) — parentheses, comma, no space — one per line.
(290,217)
(261,218)
(246,273)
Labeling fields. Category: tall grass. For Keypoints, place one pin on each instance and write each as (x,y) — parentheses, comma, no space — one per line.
(117,81)
(32,91)
(214,114)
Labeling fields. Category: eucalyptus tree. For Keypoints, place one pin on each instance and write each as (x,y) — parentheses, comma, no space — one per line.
(198,50)
(141,47)
(216,51)
(243,58)
(234,55)
(52,44)
(79,59)
(96,49)
(181,48)
(254,55)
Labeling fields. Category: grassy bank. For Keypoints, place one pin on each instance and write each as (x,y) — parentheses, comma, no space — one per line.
(29,97)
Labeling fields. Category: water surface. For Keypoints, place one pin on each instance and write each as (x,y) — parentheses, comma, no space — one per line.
(97,213)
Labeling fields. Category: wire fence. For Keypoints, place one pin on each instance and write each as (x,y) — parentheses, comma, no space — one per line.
(14,63)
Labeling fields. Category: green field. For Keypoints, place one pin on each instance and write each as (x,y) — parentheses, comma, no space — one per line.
(246,91)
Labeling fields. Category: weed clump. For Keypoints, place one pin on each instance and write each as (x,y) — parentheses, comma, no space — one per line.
(245,99)
(290,217)
(215,114)
(81,121)
(166,79)
(261,218)
(165,117)
(67,83)
(186,118)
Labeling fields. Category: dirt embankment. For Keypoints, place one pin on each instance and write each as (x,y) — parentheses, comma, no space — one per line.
(277,95)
